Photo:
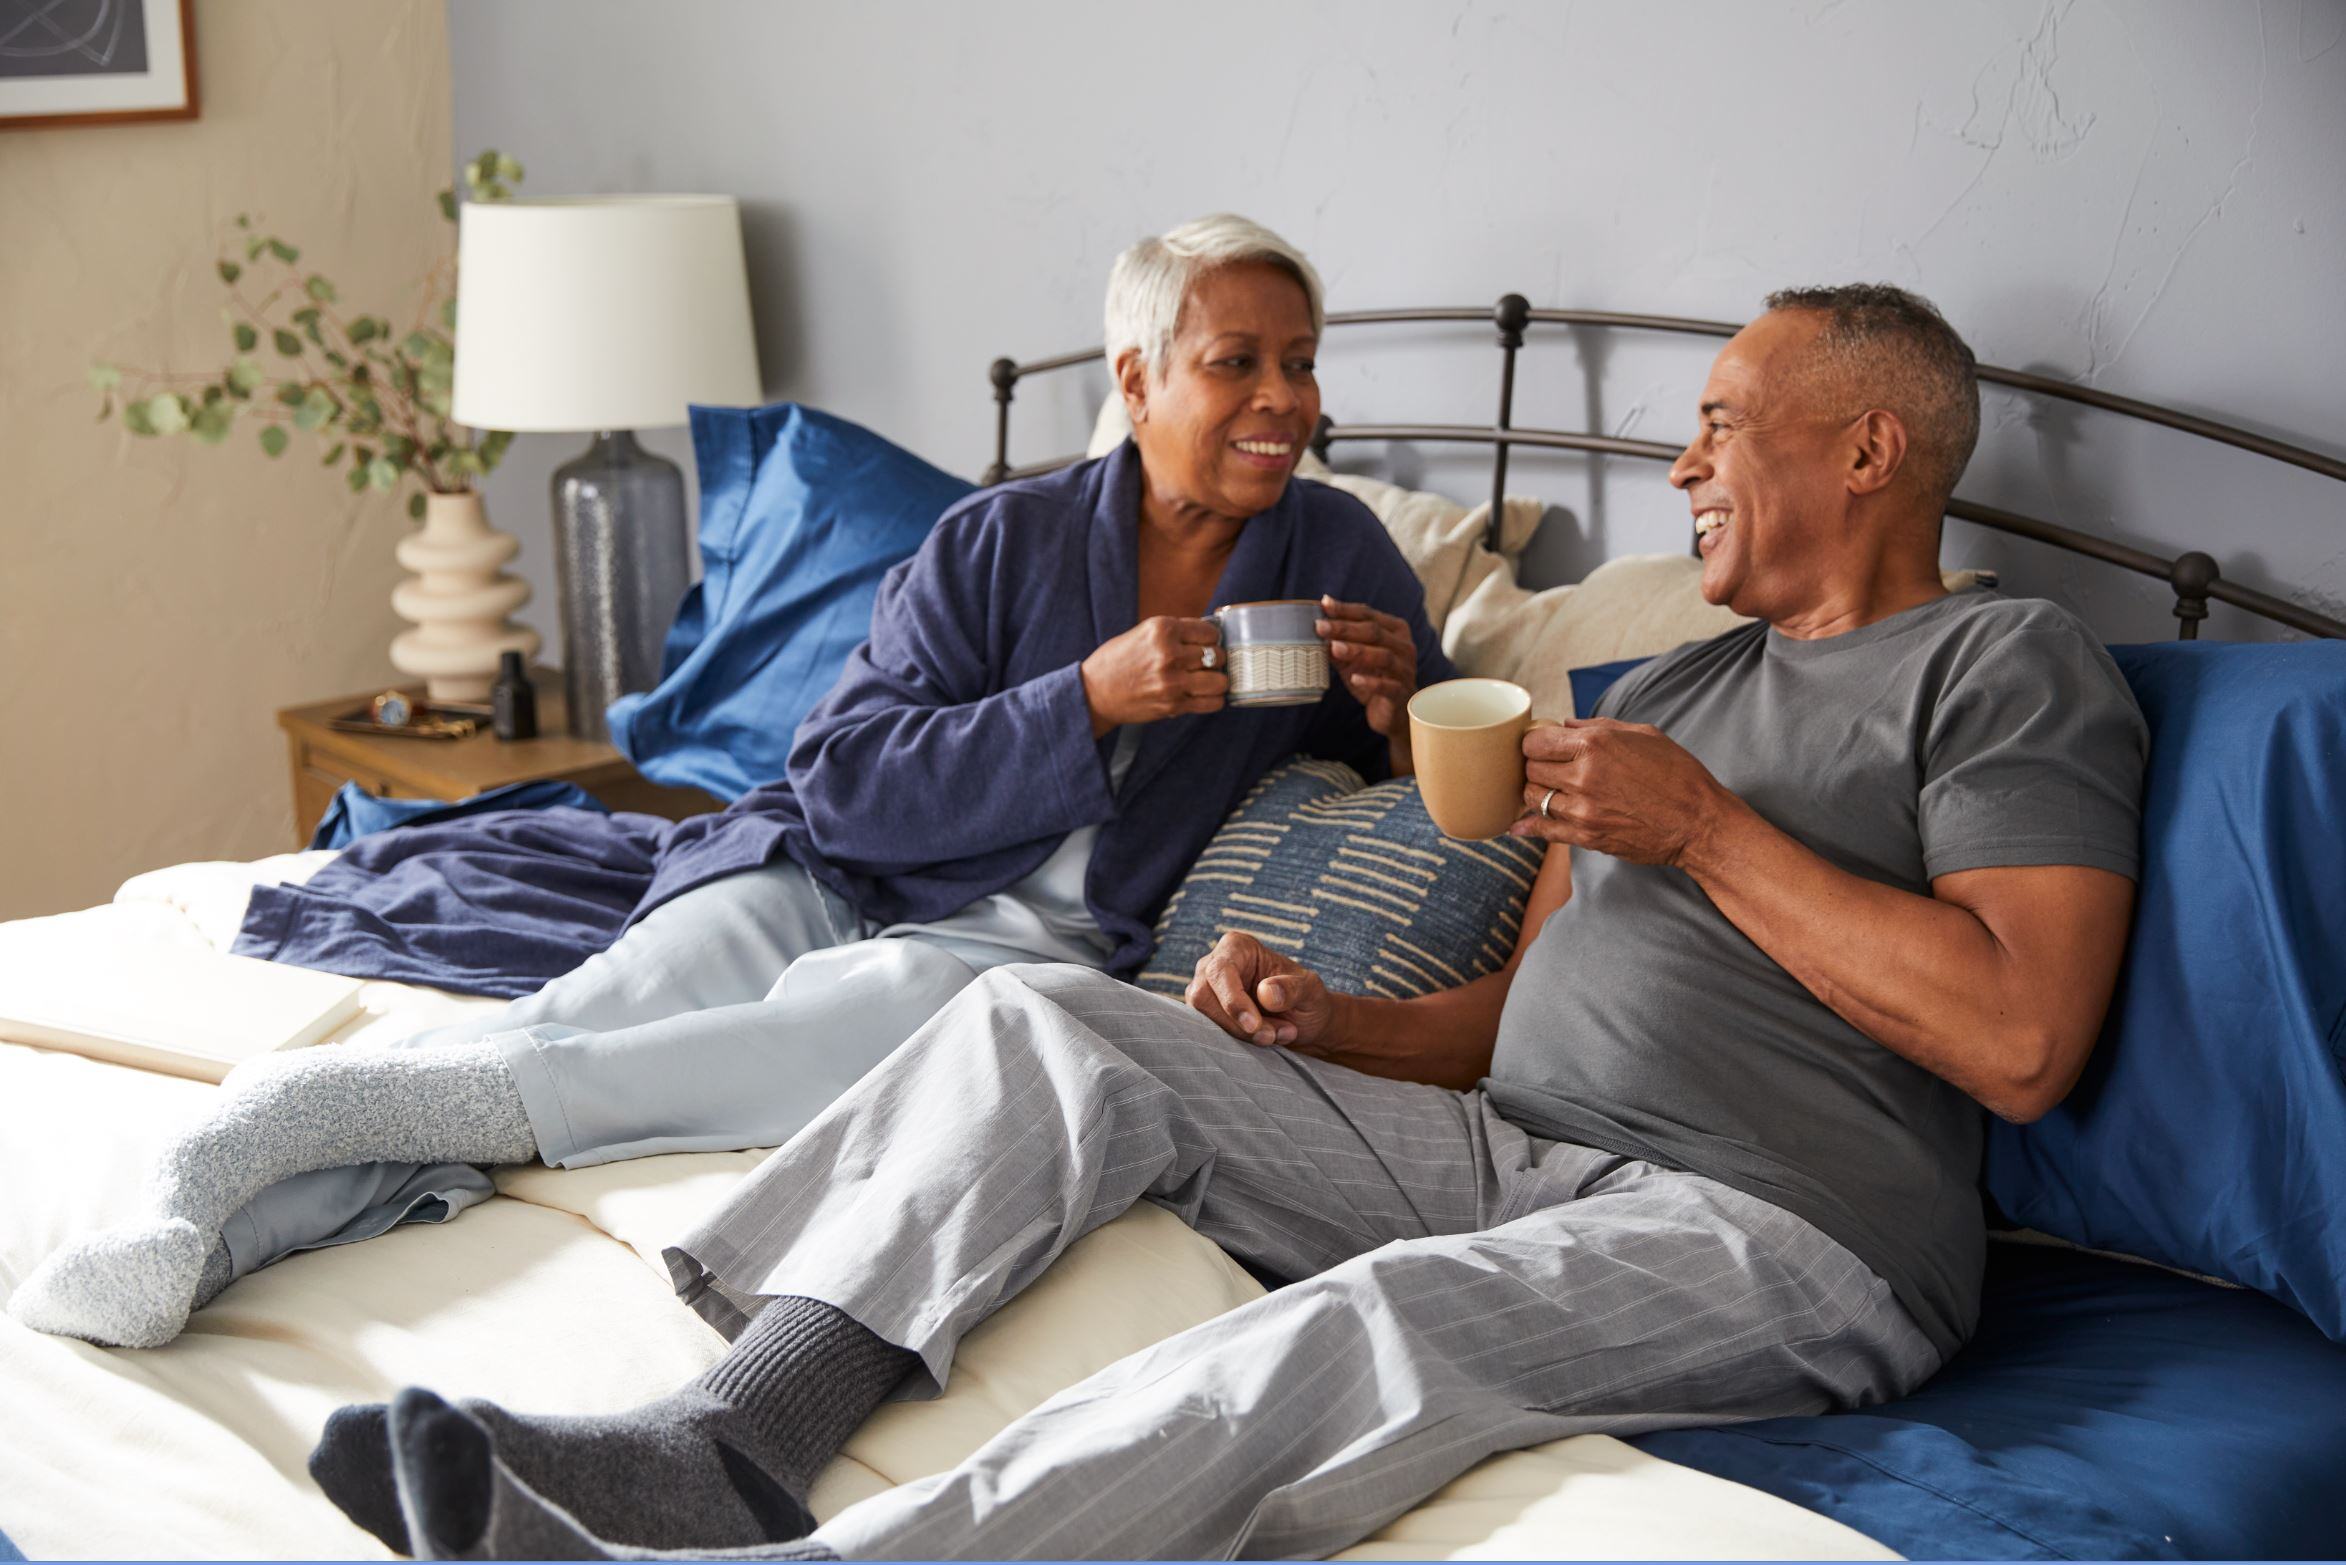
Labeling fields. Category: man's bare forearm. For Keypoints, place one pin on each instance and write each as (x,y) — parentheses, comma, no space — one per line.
(1442,1039)
(1924,977)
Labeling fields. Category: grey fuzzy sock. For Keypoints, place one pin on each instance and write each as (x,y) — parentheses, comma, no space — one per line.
(725,1462)
(132,1285)
(460,1502)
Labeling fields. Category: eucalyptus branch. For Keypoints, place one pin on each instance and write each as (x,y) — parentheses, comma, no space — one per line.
(381,399)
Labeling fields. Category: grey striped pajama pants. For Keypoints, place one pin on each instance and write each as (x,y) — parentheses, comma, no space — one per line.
(1466,1288)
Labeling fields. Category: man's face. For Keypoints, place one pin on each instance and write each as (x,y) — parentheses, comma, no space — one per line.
(1765,473)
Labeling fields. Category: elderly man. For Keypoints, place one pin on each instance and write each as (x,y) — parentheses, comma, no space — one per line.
(1821,888)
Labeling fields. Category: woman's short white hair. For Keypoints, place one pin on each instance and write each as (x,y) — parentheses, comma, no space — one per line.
(1152,280)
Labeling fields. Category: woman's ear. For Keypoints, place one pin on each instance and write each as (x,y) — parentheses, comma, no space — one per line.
(1132,380)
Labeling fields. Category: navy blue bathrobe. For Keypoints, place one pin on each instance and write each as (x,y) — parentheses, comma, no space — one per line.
(952,757)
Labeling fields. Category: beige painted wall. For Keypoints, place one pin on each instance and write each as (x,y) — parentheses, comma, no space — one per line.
(159,599)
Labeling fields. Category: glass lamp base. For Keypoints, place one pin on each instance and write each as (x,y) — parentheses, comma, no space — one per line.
(620,564)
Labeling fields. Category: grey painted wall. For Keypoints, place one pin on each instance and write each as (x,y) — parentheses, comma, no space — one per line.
(2145,195)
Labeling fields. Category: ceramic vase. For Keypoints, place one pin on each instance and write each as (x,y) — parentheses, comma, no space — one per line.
(459,599)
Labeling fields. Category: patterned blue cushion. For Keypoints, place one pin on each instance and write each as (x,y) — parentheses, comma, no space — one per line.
(1354,882)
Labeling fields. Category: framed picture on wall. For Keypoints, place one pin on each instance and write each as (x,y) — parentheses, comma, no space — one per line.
(96,62)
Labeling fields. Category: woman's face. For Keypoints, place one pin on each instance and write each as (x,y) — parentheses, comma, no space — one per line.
(1222,429)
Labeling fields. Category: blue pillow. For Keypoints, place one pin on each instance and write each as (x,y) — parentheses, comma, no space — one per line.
(2209,1131)
(1355,883)
(1590,684)
(801,515)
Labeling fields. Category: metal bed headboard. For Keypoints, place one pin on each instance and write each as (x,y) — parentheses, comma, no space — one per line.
(2194,576)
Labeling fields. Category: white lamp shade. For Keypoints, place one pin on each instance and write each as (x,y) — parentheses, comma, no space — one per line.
(604,312)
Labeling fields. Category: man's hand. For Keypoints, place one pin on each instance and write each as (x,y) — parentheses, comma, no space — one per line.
(1376,657)
(1623,789)
(1155,670)
(1254,994)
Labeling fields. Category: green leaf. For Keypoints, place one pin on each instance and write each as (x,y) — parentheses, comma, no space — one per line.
(334,455)
(134,418)
(274,439)
(244,220)
(104,377)
(448,211)
(287,343)
(383,473)
(400,449)
(166,413)
(213,394)
(360,456)
(491,448)
(246,338)
(253,248)
(290,393)
(244,377)
(230,272)
(416,346)
(211,422)
(448,314)
(319,289)
(507,169)
(415,506)
(357,479)
(337,360)
(283,251)
(316,408)
(364,329)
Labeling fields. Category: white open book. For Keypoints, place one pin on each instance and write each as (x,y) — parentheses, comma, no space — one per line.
(159,1004)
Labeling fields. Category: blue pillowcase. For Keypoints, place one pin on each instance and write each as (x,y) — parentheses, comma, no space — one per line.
(2209,1130)
(801,515)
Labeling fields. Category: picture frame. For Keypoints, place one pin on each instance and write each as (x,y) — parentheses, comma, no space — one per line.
(96,62)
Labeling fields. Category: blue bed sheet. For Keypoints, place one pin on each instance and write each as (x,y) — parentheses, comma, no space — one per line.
(2105,1410)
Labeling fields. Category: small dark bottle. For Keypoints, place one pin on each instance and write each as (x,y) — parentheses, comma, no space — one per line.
(513,700)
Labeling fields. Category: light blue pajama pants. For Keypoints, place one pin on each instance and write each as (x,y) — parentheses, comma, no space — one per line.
(1466,1288)
(726,1018)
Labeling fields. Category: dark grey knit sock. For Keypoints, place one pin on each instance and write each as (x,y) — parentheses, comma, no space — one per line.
(724,1462)
(462,1503)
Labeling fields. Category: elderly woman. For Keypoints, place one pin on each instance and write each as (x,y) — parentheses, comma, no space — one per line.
(1018,766)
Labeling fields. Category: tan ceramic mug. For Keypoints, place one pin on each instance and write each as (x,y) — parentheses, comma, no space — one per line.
(1466,736)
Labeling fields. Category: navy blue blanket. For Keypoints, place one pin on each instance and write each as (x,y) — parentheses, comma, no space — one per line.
(2104,1411)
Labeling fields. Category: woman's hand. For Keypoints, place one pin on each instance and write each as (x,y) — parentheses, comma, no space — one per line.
(1258,996)
(1155,670)
(1376,657)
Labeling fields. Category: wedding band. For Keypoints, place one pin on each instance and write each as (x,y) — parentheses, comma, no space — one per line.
(1210,656)
(1544,815)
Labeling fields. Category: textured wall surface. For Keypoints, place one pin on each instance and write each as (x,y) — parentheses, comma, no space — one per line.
(2145,195)
(159,599)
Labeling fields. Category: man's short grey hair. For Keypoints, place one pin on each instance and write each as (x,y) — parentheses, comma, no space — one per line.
(1152,280)
(1883,347)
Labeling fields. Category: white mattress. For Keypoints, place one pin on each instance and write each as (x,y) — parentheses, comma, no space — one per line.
(551,1298)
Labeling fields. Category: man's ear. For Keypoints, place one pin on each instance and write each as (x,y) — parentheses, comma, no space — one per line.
(1878,450)
(1132,380)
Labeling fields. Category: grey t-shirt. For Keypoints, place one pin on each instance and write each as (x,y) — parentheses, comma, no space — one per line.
(1973,731)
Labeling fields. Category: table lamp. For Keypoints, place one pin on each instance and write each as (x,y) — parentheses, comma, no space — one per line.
(606,314)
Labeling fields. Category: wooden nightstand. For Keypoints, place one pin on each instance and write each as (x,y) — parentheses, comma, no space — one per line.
(324,759)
